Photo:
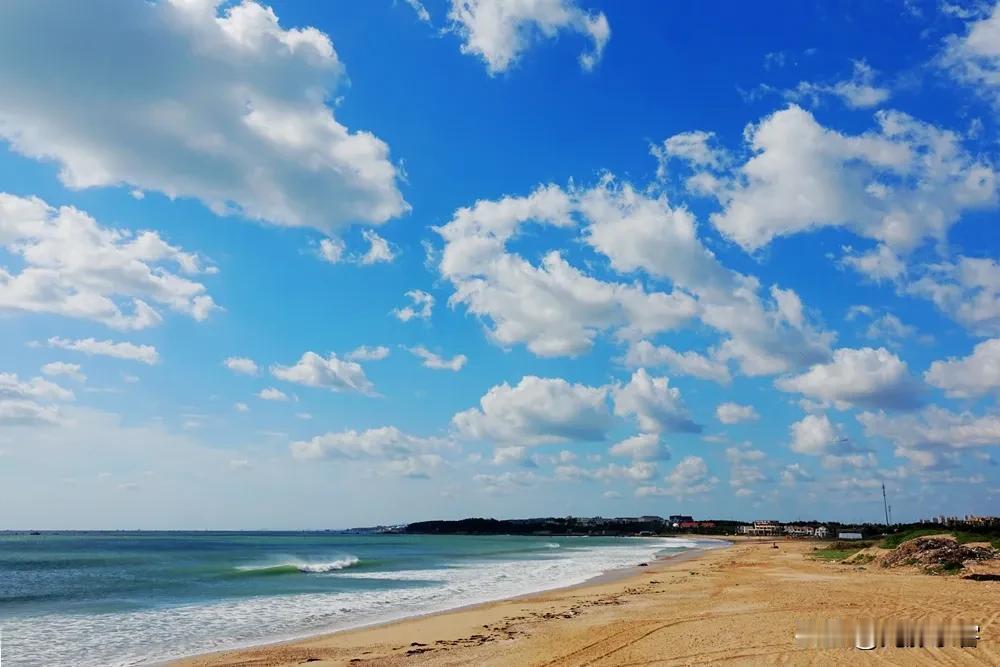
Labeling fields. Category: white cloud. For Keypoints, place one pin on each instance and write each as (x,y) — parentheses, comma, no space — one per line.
(437,362)
(553,308)
(420,10)
(379,250)
(697,148)
(29,402)
(690,477)
(331,373)
(63,368)
(734,413)
(241,365)
(974,375)
(794,473)
(241,407)
(879,264)
(399,453)
(517,454)
(898,185)
(500,31)
(272,394)
(557,310)
(504,481)
(423,304)
(863,377)
(974,58)
(925,437)
(744,469)
(331,250)
(637,471)
(76,268)
(146,354)
(814,435)
(967,290)
(656,405)
(537,411)
(642,447)
(644,354)
(229,109)
(858,92)
(366,353)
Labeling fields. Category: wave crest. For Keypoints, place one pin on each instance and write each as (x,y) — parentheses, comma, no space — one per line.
(300,567)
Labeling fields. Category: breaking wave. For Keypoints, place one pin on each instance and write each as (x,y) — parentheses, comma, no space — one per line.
(299,567)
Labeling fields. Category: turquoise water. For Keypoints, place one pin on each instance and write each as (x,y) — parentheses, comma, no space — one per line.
(133,598)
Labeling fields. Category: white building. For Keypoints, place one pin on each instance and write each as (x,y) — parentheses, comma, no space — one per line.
(763,527)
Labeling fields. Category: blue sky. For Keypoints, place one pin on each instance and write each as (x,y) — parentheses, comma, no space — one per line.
(300,265)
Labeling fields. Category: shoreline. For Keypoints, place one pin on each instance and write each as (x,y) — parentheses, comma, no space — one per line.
(600,579)
(737,605)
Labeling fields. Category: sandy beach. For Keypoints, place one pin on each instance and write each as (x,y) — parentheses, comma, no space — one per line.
(734,606)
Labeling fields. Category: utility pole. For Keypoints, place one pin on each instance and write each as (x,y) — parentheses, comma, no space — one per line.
(885,504)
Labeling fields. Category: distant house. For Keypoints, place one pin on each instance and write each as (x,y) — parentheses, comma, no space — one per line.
(848,536)
(680,518)
(799,531)
(763,527)
(821,532)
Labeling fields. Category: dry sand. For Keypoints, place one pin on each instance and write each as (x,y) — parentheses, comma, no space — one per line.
(734,606)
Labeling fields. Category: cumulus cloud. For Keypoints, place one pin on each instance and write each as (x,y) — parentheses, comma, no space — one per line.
(654,403)
(437,362)
(516,454)
(637,471)
(863,377)
(973,58)
(974,375)
(30,402)
(366,353)
(898,185)
(537,411)
(56,368)
(966,290)
(423,304)
(146,354)
(76,268)
(734,413)
(644,354)
(642,447)
(500,31)
(690,477)
(816,435)
(272,394)
(557,310)
(925,437)
(397,452)
(379,250)
(226,108)
(241,365)
(333,373)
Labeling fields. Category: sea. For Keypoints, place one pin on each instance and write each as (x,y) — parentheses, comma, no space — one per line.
(135,598)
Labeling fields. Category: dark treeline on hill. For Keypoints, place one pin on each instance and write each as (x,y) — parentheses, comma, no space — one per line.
(561,526)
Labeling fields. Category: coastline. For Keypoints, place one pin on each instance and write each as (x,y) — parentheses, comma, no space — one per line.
(736,605)
(601,579)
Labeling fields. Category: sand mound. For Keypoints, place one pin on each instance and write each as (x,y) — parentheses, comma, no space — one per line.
(937,554)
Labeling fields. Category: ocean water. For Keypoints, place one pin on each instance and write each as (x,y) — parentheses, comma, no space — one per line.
(135,598)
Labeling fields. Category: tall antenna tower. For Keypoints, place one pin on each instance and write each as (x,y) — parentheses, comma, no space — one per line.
(885,505)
